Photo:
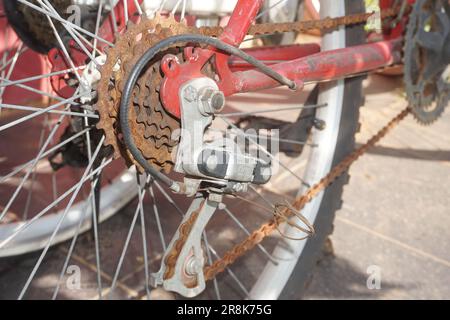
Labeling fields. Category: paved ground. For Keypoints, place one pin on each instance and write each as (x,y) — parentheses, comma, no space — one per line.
(396,211)
(394,222)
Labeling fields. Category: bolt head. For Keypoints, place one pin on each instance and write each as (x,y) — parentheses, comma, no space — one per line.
(212,162)
(190,93)
(212,101)
(238,187)
(193,266)
(217,101)
(266,172)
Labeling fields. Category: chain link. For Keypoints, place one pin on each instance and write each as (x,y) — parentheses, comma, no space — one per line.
(302,26)
(299,203)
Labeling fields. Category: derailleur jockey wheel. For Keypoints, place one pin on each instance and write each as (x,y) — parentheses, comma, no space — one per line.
(427,57)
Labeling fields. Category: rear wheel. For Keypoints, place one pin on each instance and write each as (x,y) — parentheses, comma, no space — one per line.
(344,97)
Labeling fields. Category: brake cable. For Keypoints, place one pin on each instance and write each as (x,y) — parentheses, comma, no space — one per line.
(137,70)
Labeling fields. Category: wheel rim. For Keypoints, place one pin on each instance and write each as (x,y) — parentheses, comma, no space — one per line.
(274,277)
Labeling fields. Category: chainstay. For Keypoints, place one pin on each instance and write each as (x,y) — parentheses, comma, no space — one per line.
(299,203)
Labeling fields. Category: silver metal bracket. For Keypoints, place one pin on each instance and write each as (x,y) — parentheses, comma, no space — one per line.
(182,265)
(223,159)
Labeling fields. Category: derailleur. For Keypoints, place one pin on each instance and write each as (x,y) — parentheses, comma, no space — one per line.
(211,170)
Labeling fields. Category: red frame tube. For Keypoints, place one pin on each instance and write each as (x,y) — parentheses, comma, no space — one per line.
(302,65)
(273,55)
(322,66)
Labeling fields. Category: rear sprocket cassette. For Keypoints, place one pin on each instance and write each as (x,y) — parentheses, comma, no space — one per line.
(152,127)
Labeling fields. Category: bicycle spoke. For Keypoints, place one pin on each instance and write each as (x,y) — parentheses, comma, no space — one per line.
(24,226)
(156,212)
(31,89)
(50,14)
(61,44)
(243,228)
(127,242)
(97,26)
(240,114)
(144,237)
(67,113)
(46,153)
(210,261)
(113,16)
(41,76)
(73,242)
(266,11)
(66,210)
(40,112)
(10,71)
(125,11)
(183,10)
(54,188)
(94,205)
(260,196)
(6,63)
(175,8)
(232,274)
(46,4)
(27,174)
(33,176)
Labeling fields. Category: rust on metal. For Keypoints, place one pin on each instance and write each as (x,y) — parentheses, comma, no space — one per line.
(151,137)
(299,203)
(184,229)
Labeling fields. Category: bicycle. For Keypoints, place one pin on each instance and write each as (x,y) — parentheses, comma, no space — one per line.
(130,81)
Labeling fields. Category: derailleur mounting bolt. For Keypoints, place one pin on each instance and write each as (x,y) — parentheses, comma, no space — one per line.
(211,101)
(190,93)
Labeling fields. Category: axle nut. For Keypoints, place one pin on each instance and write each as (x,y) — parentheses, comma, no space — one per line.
(211,101)
(193,266)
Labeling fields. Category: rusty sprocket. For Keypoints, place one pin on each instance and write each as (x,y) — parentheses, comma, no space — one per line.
(151,125)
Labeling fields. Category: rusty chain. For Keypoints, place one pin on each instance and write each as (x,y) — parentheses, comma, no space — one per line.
(299,203)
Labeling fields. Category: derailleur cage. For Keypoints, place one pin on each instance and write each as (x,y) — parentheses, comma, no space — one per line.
(211,169)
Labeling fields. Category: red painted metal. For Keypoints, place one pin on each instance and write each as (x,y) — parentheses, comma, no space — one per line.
(318,67)
(273,55)
(323,66)
(303,62)
(28,64)
(243,16)
(106,31)
(399,29)
(59,62)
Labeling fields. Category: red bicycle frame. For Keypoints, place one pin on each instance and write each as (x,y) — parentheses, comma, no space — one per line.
(301,63)
(317,67)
